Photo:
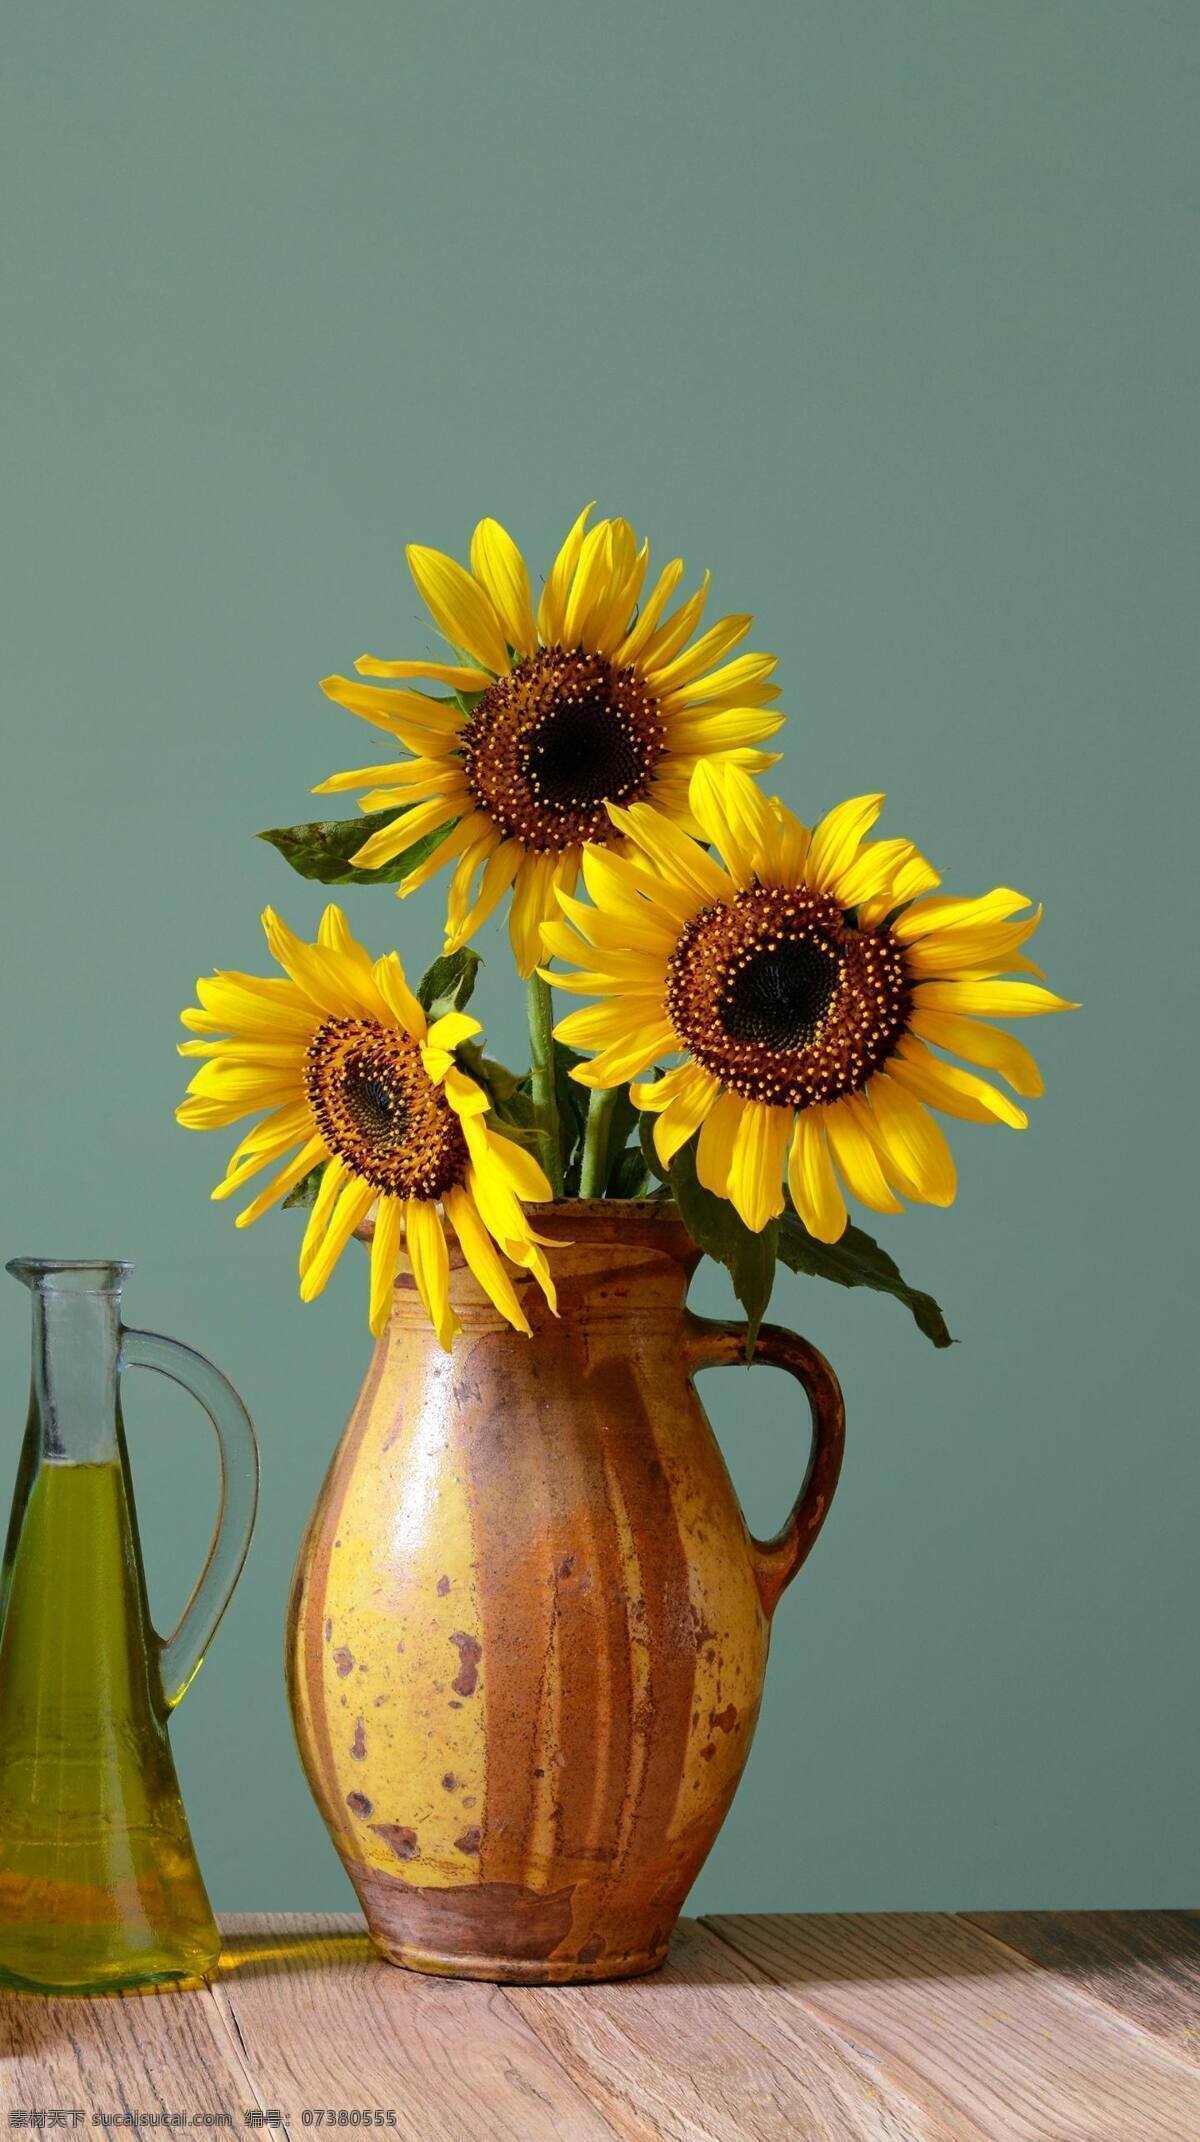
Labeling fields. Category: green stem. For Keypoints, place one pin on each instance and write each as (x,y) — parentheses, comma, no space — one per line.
(545,1099)
(594,1168)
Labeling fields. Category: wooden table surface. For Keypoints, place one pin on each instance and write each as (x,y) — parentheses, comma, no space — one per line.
(1042,2027)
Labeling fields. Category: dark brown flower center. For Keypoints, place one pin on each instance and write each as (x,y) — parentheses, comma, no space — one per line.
(782,1000)
(377,1108)
(554,741)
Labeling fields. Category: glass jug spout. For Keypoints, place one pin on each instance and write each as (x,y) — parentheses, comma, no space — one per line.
(76,1354)
(99,1884)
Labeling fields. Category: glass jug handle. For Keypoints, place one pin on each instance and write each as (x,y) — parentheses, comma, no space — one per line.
(183,1652)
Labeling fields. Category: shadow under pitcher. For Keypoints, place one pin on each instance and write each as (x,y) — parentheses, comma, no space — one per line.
(100,1889)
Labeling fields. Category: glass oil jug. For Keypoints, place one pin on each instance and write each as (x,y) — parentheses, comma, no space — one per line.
(99,1884)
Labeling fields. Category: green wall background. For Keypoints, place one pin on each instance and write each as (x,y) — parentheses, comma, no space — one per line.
(888,313)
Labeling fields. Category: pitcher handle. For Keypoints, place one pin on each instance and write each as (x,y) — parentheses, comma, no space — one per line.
(714,1343)
(183,1652)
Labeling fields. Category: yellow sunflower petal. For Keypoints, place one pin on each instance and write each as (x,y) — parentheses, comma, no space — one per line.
(625,889)
(980,1044)
(912,878)
(466,1097)
(626,590)
(405,1007)
(483,1259)
(496,1203)
(736,817)
(451,1028)
(452,843)
(460,608)
(837,838)
(785,865)
(872,875)
(854,1154)
(672,852)
(385,1254)
(500,569)
(714,1147)
(590,585)
(520,1170)
(327,981)
(972,949)
(552,607)
(427,726)
(638,973)
(262,1008)
(457,675)
(499,870)
(533,903)
(355,1200)
(460,893)
(624,1059)
(399,773)
(651,935)
(597,1025)
(298,1167)
(249,1085)
(642,630)
(745,673)
(278,1054)
(945,1086)
(318,1219)
(944,912)
(816,1192)
(685,1110)
(692,663)
(523,1250)
(756,1163)
(430,1261)
(267,1142)
(657,1093)
(720,729)
(912,1141)
(404,832)
(608,615)
(674,632)
(333,930)
(990,1000)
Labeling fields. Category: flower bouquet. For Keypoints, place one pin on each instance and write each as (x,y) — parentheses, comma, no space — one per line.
(778,1010)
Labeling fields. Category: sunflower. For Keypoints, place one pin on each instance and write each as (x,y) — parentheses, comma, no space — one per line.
(356,1082)
(809,982)
(589,702)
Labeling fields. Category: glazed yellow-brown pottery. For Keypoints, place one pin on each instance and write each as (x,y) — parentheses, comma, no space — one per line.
(529,1626)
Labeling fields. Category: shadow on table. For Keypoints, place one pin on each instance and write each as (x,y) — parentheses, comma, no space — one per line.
(797,1949)
(267,1955)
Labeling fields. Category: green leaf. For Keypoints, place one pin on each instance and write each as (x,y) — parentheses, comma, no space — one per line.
(572,1101)
(448,984)
(716,1229)
(501,1083)
(305,1191)
(627,1175)
(323,849)
(654,1165)
(857,1261)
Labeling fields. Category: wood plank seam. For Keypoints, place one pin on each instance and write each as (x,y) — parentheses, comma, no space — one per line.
(983,2072)
(227,2023)
(860,2056)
